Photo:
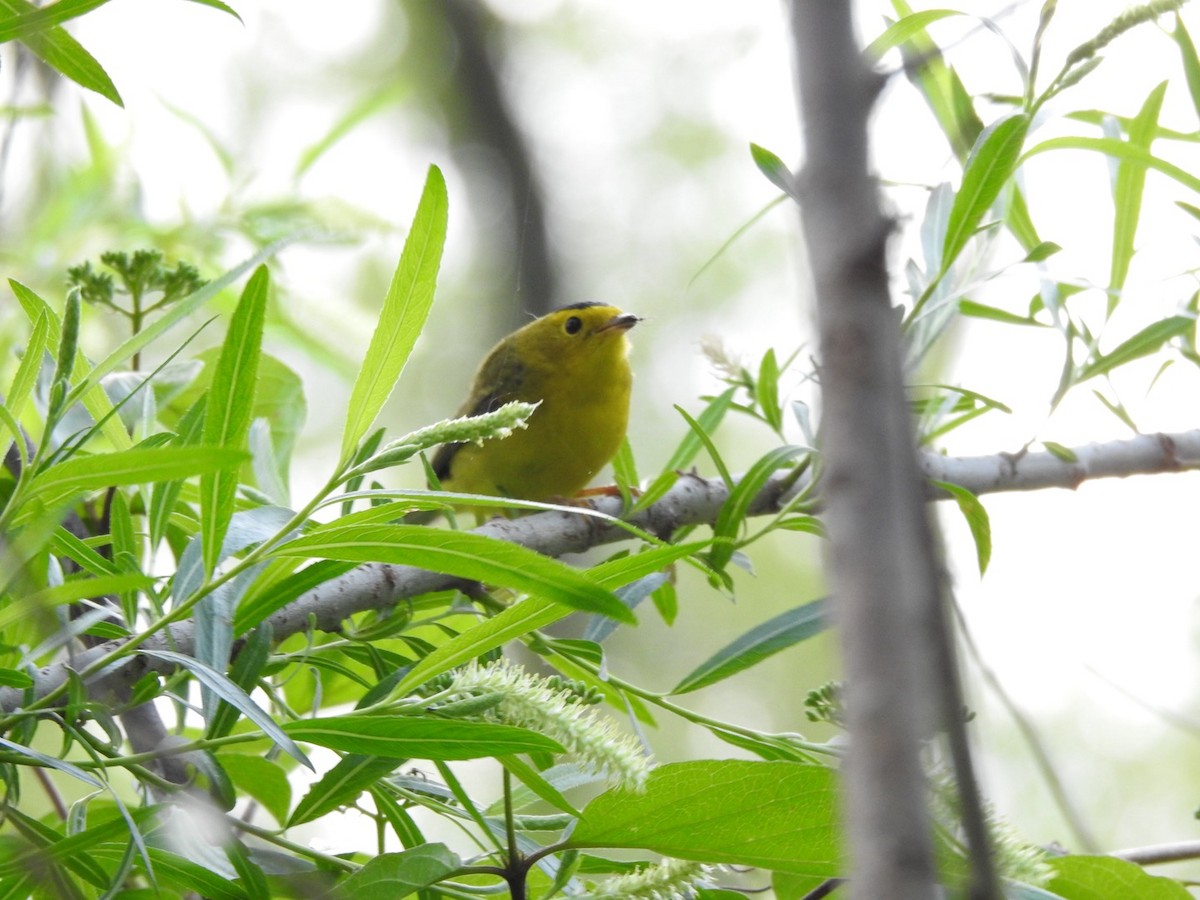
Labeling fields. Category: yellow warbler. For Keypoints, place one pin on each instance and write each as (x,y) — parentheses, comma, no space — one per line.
(575,363)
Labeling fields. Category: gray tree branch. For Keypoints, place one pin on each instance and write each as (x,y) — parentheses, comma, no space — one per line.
(692,501)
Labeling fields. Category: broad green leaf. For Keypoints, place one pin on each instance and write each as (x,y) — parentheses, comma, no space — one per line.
(779,633)
(81,474)
(15,679)
(342,785)
(1127,193)
(464,555)
(227,412)
(992,162)
(977,520)
(404,311)
(394,875)
(404,737)
(1149,340)
(780,816)
(220,685)
(1108,878)
(57,49)
(262,779)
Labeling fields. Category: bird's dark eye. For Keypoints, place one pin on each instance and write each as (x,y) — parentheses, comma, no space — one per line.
(573,324)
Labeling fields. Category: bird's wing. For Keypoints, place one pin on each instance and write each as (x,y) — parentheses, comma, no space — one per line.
(498,382)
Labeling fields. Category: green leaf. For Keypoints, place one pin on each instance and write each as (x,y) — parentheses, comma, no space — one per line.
(977,520)
(981,311)
(688,448)
(341,786)
(403,737)
(1149,340)
(57,49)
(1122,150)
(171,870)
(260,778)
(93,398)
(22,25)
(405,309)
(766,391)
(906,29)
(1109,878)
(780,816)
(519,619)
(779,633)
(227,412)
(394,875)
(737,504)
(1128,191)
(1042,251)
(82,474)
(774,169)
(1059,451)
(992,162)
(72,592)
(226,690)
(27,372)
(464,555)
(1191,62)
(939,84)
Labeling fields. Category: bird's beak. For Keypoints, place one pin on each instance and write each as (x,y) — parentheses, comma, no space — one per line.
(623,322)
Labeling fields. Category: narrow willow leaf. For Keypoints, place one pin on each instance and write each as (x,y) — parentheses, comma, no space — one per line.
(766,391)
(982,311)
(57,49)
(1127,193)
(404,737)
(992,162)
(528,615)
(977,520)
(81,474)
(464,555)
(174,871)
(395,875)
(72,592)
(235,696)
(1191,62)
(904,30)
(784,630)
(1122,150)
(93,398)
(688,448)
(734,509)
(939,84)
(342,785)
(228,410)
(781,816)
(20,26)
(1149,340)
(405,309)
(27,372)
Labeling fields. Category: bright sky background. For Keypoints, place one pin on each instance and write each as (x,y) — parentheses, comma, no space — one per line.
(1085,587)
